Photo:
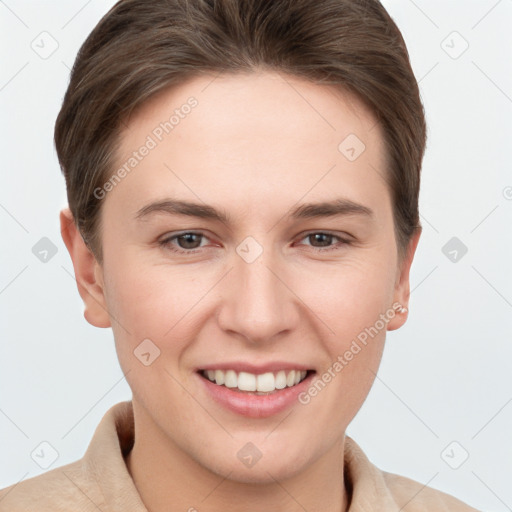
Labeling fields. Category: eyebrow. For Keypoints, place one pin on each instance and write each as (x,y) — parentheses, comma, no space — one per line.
(305,211)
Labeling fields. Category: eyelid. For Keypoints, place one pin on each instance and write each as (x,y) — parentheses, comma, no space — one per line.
(342,240)
(166,241)
(324,232)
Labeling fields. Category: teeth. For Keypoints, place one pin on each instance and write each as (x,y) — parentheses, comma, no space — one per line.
(265,382)
(281,380)
(230,380)
(219,377)
(246,381)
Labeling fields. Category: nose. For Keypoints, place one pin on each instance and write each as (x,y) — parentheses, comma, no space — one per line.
(258,302)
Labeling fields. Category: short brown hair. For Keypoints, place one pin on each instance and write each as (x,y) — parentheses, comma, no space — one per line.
(139,48)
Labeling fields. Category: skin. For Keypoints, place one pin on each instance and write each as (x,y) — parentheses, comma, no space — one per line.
(256,146)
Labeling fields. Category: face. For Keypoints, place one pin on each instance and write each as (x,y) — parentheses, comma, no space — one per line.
(252,242)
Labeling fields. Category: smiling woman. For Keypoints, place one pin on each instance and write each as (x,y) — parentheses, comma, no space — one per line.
(251,261)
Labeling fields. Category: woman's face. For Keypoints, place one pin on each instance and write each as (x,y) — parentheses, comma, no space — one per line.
(287,260)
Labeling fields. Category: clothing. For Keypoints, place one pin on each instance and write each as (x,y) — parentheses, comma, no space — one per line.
(100,481)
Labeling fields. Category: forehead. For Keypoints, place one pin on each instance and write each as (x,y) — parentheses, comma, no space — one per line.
(250,101)
(248,137)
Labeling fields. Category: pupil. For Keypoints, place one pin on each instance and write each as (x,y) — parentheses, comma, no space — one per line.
(188,239)
(326,238)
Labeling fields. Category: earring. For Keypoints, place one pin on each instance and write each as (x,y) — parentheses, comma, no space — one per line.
(401,310)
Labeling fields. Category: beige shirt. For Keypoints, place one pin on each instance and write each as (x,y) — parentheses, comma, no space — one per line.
(100,480)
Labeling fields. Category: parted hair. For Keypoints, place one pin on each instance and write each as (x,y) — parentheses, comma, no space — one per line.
(142,47)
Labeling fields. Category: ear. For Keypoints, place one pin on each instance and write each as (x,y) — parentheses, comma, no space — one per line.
(88,272)
(402,287)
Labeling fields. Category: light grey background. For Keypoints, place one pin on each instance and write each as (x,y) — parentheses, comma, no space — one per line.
(446,375)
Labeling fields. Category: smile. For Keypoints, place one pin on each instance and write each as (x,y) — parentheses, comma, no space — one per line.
(257,384)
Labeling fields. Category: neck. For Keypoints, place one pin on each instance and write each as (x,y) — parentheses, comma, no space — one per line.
(169,480)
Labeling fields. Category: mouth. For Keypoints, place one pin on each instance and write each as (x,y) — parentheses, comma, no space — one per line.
(267,383)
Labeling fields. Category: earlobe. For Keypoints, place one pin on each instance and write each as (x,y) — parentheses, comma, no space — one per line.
(402,288)
(88,272)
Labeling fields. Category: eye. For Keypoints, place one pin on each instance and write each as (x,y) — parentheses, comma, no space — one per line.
(185,242)
(189,242)
(323,241)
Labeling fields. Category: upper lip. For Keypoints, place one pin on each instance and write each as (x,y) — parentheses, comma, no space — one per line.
(256,369)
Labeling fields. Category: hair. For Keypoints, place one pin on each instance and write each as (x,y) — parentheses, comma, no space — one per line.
(140,48)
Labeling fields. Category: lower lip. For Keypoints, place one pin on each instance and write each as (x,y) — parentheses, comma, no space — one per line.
(255,406)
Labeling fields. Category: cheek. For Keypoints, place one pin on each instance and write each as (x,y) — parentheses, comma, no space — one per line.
(156,302)
(340,389)
(350,295)
(153,308)
(353,351)
(353,301)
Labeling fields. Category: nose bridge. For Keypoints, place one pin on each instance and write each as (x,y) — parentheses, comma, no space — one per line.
(258,305)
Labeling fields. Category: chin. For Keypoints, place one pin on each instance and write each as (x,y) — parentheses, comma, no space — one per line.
(262,475)
(264,468)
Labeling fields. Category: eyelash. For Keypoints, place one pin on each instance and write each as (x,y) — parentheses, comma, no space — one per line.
(166,243)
